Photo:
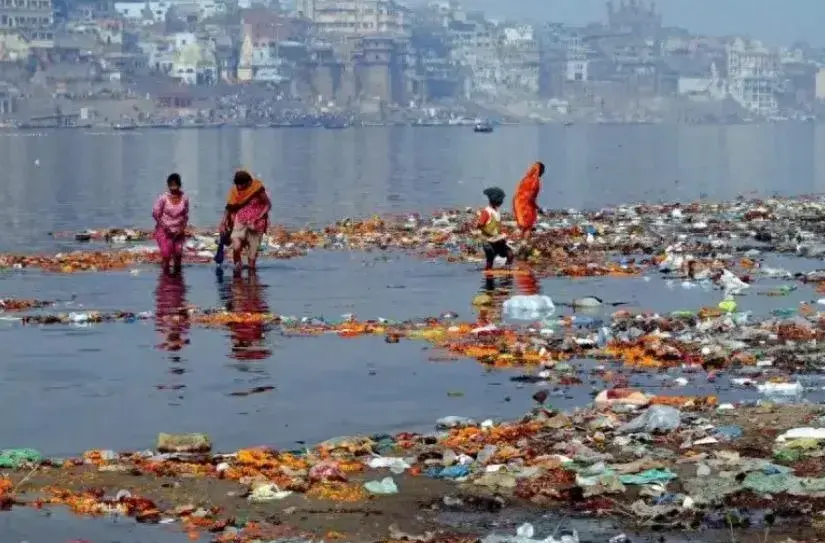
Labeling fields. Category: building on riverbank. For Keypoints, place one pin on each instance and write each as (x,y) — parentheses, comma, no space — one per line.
(753,76)
(31,19)
(356,17)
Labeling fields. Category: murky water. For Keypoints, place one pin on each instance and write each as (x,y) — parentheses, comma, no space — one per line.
(117,385)
(58,526)
(64,180)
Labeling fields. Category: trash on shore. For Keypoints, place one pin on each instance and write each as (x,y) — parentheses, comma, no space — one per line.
(602,459)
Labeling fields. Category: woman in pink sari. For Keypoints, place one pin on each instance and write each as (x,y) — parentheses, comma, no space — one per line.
(171,214)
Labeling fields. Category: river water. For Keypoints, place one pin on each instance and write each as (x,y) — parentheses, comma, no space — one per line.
(116,386)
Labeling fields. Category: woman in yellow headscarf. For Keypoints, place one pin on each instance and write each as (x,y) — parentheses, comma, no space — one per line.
(246,217)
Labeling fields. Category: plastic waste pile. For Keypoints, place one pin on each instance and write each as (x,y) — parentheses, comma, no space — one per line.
(623,455)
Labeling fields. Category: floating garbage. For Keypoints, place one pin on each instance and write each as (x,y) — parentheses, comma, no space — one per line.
(184,443)
(528,307)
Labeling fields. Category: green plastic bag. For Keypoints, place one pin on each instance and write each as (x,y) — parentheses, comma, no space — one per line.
(648,477)
(14,458)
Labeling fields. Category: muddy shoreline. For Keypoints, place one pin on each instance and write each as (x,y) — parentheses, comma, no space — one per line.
(424,510)
(427,508)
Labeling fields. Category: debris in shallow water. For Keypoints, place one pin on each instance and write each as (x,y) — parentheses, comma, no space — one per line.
(184,443)
(17,458)
(255,390)
(11,304)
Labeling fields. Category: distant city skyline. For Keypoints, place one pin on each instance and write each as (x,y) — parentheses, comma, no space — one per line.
(773,21)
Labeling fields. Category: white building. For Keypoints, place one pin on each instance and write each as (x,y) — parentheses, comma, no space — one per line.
(472,43)
(753,77)
(577,66)
(194,64)
(155,11)
(709,88)
(353,17)
(517,35)
(150,12)
(182,39)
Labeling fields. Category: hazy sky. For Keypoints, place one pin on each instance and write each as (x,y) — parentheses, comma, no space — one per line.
(774,21)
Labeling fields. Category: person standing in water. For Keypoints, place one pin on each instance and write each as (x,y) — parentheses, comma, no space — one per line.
(246,217)
(525,206)
(489,225)
(171,214)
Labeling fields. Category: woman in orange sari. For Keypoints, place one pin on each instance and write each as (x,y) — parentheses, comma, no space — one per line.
(246,217)
(525,208)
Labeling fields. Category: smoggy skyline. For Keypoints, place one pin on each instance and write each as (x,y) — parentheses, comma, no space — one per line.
(773,21)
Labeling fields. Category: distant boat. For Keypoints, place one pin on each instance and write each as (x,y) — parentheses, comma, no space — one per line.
(335,124)
(483,127)
(426,122)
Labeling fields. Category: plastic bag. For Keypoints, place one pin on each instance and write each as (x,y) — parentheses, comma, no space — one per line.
(453,421)
(731,284)
(526,532)
(529,307)
(14,458)
(658,418)
(267,492)
(781,390)
(395,465)
(384,486)
(648,477)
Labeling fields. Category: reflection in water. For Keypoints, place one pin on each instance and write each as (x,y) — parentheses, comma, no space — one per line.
(499,290)
(171,315)
(527,283)
(245,294)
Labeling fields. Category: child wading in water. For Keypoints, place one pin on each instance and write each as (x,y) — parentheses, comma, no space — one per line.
(489,224)
(246,217)
(171,214)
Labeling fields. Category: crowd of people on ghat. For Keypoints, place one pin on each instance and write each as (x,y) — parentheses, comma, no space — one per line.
(246,219)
